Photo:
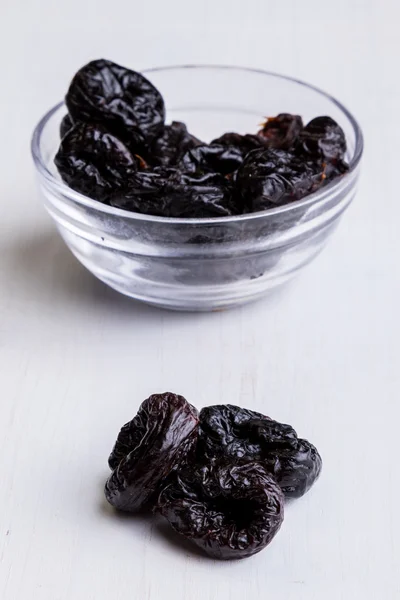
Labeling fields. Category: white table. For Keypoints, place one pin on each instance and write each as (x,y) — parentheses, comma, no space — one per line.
(76,359)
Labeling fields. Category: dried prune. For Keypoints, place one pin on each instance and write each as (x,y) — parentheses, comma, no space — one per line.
(230,432)
(171,173)
(243,143)
(296,471)
(322,138)
(124,100)
(173,142)
(65,125)
(271,178)
(156,442)
(93,161)
(171,193)
(281,131)
(334,168)
(220,426)
(230,510)
(212,158)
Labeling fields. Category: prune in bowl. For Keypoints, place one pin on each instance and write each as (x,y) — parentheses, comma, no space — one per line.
(200,264)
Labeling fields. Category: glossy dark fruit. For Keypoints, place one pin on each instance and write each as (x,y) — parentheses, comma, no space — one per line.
(117,149)
(159,440)
(230,510)
(335,168)
(94,162)
(296,470)
(123,100)
(281,131)
(171,193)
(229,432)
(271,178)
(65,125)
(243,143)
(173,142)
(212,158)
(220,432)
(322,138)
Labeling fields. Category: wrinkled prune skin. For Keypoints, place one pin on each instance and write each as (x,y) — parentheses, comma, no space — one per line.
(159,440)
(243,143)
(171,193)
(270,178)
(334,168)
(65,125)
(221,429)
(231,433)
(212,158)
(218,429)
(234,174)
(123,100)
(94,162)
(230,510)
(173,142)
(296,471)
(281,131)
(322,138)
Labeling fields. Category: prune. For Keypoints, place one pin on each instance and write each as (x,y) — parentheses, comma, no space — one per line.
(271,178)
(322,138)
(173,142)
(296,471)
(232,433)
(230,510)
(171,193)
(211,158)
(243,143)
(219,428)
(165,171)
(155,443)
(281,131)
(65,125)
(93,161)
(125,101)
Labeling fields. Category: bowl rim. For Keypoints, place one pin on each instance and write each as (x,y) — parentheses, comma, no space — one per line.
(314,198)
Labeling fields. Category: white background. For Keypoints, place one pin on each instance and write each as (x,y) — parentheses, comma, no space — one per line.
(76,359)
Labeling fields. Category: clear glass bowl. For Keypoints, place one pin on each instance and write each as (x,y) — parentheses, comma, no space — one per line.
(203,264)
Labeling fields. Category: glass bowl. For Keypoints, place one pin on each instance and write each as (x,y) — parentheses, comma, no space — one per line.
(204,264)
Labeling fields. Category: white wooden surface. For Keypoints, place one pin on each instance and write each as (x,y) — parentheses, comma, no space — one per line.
(76,359)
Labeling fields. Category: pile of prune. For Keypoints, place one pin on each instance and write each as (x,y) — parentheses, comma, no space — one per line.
(116,148)
(220,477)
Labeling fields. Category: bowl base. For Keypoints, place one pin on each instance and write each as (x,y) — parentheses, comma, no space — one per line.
(211,304)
